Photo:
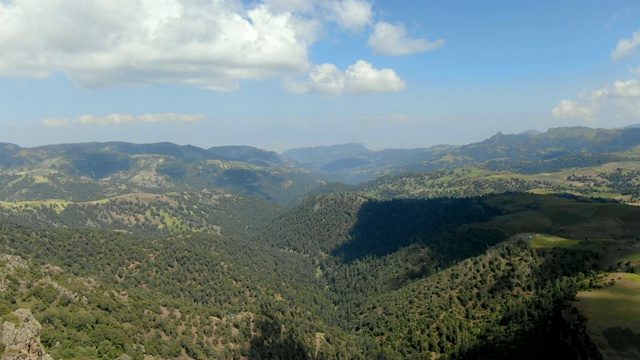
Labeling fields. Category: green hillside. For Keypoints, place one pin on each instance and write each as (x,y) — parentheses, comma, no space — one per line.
(149,214)
(349,295)
(92,171)
(162,251)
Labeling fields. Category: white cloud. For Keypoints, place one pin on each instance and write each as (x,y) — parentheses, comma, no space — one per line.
(628,96)
(360,78)
(585,108)
(620,99)
(622,96)
(626,47)
(210,44)
(363,78)
(213,44)
(568,109)
(352,15)
(280,6)
(326,80)
(630,88)
(388,39)
(118,119)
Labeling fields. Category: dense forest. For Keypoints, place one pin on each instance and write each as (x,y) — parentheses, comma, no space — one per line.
(213,296)
(162,252)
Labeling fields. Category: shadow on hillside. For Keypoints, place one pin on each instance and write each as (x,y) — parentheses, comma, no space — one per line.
(274,341)
(384,227)
(547,327)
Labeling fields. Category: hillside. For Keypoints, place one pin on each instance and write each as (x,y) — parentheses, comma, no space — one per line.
(92,171)
(149,214)
(615,180)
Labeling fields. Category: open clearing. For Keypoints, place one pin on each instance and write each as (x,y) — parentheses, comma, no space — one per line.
(613,314)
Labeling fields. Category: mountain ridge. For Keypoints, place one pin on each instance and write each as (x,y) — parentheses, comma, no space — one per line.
(360,165)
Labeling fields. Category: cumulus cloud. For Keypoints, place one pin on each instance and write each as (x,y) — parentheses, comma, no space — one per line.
(352,15)
(210,44)
(568,109)
(363,78)
(585,107)
(623,95)
(302,6)
(628,96)
(360,78)
(630,88)
(119,119)
(326,80)
(626,47)
(213,44)
(393,40)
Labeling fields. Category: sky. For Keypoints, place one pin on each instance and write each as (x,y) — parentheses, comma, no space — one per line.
(282,74)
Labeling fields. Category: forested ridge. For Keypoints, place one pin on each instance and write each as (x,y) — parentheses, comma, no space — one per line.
(437,286)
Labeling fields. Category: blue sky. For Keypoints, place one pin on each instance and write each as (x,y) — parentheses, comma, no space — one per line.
(280,74)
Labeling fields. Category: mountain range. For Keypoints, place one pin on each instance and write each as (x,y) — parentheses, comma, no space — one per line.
(492,250)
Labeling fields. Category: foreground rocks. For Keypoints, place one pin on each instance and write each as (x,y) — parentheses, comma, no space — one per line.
(21,337)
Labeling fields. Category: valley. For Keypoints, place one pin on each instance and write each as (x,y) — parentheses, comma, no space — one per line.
(506,248)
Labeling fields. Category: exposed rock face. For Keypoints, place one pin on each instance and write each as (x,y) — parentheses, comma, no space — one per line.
(21,337)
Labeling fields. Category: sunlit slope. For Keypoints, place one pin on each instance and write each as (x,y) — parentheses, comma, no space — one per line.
(149,214)
(614,178)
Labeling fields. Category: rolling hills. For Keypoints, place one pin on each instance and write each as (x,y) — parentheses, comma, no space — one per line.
(92,171)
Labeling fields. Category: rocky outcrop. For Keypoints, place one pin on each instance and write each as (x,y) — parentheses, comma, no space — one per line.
(21,337)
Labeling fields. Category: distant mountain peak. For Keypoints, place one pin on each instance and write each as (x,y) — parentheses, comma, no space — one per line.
(531,132)
(328,153)
(352,146)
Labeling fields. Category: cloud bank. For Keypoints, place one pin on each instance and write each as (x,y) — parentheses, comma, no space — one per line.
(214,44)
(211,44)
(119,119)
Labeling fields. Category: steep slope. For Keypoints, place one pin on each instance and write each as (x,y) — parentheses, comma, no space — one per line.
(423,265)
(102,294)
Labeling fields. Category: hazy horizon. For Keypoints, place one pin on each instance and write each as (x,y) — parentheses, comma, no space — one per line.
(280,152)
